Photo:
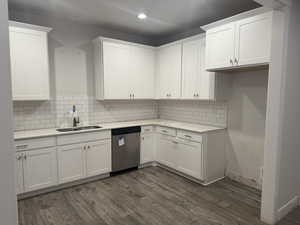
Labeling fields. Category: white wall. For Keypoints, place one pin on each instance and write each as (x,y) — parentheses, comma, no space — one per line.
(289,166)
(281,183)
(246,126)
(8,206)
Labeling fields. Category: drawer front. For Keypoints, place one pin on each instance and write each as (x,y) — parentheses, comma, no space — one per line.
(83,137)
(189,135)
(147,129)
(166,131)
(36,143)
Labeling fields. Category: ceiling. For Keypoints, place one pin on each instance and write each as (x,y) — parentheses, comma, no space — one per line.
(165,17)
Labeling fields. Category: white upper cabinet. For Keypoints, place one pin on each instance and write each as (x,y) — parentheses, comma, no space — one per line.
(116,69)
(169,72)
(143,72)
(124,70)
(253,40)
(197,83)
(239,44)
(29,62)
(220,46)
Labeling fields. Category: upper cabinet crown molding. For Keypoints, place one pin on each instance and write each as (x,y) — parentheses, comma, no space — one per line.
(243,43)
(235,18)
(16,24)
(29,62)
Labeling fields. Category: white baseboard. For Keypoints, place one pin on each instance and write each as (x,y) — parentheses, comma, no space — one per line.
(288,207)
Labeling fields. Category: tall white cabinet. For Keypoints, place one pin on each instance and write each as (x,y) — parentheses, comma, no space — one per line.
(29,61)
(123,70)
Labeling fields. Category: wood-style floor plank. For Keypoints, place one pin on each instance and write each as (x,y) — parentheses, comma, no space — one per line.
(150,196)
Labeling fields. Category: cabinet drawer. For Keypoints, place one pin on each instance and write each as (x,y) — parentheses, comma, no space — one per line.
(167,131)
(36,143)
(147,129)
(189,135)
(83,137)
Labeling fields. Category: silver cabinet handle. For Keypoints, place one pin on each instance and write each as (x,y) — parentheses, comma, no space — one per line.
(89,147)
(21,146)
(25,156)
(188,136)
(84,148)
(19,157)
(231,61)
(175,142)
(164,131)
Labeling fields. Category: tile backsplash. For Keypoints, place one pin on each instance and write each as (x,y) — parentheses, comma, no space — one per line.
(201,112)
(54,113)
(39,115)
(34,115)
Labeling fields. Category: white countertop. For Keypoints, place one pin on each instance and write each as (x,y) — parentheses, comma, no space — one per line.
(107,126)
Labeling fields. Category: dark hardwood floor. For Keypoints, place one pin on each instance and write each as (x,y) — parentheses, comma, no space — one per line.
(150,196)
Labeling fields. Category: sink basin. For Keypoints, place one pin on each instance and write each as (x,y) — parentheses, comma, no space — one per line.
(78,128)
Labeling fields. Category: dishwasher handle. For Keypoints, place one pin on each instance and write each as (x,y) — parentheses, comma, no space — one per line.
(126,130)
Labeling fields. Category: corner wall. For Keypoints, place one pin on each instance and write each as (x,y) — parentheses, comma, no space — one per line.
(8,201)
(246,127)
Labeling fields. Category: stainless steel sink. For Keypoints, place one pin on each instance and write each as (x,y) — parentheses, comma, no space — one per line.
(78,128)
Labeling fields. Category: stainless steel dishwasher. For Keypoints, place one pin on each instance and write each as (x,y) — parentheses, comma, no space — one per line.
(125,148)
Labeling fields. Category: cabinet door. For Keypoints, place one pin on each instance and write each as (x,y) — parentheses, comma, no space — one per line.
(40,169)
(220,47)
(142,72)
(29,64)
(191,69)
(169,72)
(71,163)
(253,40)
(206,89)
(190,158)
(167,151)
(19,173)
(147,148)
(117,83)
(98,157)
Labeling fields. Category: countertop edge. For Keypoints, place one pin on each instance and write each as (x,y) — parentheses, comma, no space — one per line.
(53,133)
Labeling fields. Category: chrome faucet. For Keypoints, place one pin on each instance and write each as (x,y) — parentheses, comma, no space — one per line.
(76,119)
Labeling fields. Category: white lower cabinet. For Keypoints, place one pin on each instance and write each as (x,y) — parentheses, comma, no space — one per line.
(167,151)
(79,161)
(201,156)
(148,141)
(190,159)
(19,173)
(36,169)
(71,163)
(40,169)
(98,158)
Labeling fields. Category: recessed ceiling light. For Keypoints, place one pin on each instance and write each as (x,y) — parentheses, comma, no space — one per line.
(142,16)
